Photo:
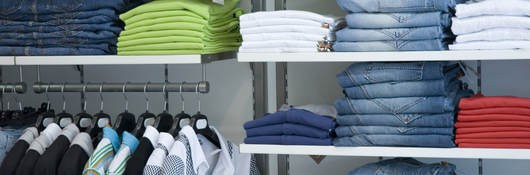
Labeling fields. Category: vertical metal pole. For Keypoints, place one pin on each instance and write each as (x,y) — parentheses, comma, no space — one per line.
(82,81)
(479,77)
(480,167)
(166,80)
(259,84)
(1,94)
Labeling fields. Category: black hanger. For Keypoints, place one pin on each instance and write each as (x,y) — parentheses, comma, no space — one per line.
(101,119)
(181,119)
(164,120)
(125,121)
(145,119)
(200,123)
(83,120)
(63,119)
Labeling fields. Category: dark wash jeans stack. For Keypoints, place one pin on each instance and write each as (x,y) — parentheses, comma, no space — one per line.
(405,166)
(59,27)
(396,25)
(291,127)
(399,104)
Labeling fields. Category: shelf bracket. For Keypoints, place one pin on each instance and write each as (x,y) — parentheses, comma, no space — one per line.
(479,77)
(480,167)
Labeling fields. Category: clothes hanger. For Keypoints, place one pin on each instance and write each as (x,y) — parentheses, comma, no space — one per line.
(125,121)
(181,119)
(47,117)
(83,120)
(145,119)
(164,120)
(200,123)
(101,119)
(5,113)
(64,118)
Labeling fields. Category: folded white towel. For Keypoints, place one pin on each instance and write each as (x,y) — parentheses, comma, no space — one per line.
(278,50)
(481,23)
(294,14)
(494,7)
(491,45)
(286,28)
(279,21)
(282,36)
(499,34)
(278,44)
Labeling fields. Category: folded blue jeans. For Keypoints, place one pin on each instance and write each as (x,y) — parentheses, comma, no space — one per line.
(397,20)
(8,138)
(288,129)
(296,116)
(441,120)
(111,13)
(100,35)
(110,26)
(348,131)
(444,141)
(99,19)
(393,34)
(426,88)
(377,6)
(22,7)
(381,46)
(379,72)
(288,140)
(404,166)
(49,51)
(105,45)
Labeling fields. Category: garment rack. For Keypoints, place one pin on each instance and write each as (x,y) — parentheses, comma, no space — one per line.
(201,86)
(13,88)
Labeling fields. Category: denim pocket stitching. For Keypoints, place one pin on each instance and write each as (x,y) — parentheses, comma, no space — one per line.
(424,7)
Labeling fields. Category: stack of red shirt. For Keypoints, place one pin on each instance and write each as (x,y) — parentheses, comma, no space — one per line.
(493,122)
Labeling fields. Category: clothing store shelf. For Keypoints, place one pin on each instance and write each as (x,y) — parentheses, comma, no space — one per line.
(385,56)
(464,153)
(7,60)
(125,60)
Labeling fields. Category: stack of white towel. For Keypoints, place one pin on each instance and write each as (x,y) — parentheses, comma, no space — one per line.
(492,24)
(287,31)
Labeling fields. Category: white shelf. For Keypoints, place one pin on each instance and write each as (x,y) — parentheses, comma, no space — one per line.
(7,60)
(465,153)
(385,56)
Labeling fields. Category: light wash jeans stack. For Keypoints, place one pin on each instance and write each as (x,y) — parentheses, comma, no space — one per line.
(397,25)
(399,104)
(59,27)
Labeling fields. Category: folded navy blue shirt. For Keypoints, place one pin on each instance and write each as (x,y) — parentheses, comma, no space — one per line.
(297,116)
(288,140)
(288,129)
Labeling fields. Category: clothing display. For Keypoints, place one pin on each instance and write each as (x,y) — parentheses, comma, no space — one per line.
(18,150)
(493,122)
(288,31)
(99,161)
(407,166)
(50,160)
(208,28)
(59,28)
(128,146)
(37,148)
(156,159)
(77,155)
(139,158)
(399,104)
(492,25)
(8,138)
(416,25)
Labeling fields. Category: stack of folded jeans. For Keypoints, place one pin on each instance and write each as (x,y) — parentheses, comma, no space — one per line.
(399,104)
(287,31)
(408,166)
(291,127)
(492,25)
(59,27)
(167,27)
(493,122)
(397,25)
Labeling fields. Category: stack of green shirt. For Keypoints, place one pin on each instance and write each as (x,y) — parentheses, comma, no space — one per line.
(164,27)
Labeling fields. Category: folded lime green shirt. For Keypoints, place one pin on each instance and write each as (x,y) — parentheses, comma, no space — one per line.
(164,46)
(161,33)
(164,26)
(160,14)
(204,8)
(158,40)
(160,52)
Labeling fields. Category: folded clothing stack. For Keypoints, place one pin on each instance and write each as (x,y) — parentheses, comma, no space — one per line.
(397,25)
(287,31)
(493,122)
(80,27)
(291,127)
(398,166)
(166,27)
(399,104)
(492,25)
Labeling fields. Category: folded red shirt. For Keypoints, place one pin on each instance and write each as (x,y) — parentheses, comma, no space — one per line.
(479,145)
(490,129)
(499,110)
(480,102)
(505,134)
(493,117)
(492,124)
(495,141)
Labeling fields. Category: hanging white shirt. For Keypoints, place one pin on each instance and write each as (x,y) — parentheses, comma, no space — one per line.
(491,45)
(295,14)
(186,156)
(156,159)
(481,23)
(286,28)
(499,34)
(494,7)
(283,36)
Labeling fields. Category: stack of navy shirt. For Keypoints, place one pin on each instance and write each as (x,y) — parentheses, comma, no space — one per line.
(291,127)
(59,27)
(397,25)
(399,104)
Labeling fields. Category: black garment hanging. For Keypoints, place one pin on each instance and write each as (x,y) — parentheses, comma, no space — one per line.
(50,159)
(181,119)
(136,164)
(13,157)
(201,126)
(28,163)
(73,161)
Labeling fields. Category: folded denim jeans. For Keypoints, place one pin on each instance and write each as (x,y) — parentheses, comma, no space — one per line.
(100,35)
(110,26)
(441,120)
(377,6)
(426,88)
(62,42)
(111,13)
(36,51)
(397,20)
(444,141)
(393,34)
(288,129)
(288,140)
(379,72)
(99,19)
(296,116)
(8,138)
(399,45)
(405,166)
(16,8)
(348,131)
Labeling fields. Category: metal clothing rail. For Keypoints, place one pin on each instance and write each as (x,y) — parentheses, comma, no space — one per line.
(202,87)
(13,88)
